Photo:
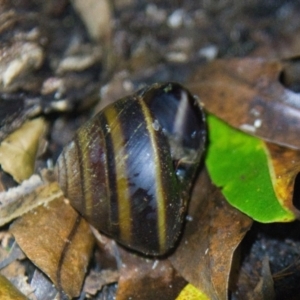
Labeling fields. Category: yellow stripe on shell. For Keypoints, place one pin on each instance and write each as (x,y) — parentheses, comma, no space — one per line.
(124,203)
(83,143)
(160,197)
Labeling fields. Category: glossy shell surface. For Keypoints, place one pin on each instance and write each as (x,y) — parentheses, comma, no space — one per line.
(129,169)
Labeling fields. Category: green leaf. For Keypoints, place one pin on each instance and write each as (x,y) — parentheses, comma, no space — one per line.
(238,164)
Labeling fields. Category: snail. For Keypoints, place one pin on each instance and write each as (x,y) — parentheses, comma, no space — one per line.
(129,169)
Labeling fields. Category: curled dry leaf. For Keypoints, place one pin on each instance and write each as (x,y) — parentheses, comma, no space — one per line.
(58,241)
(42,286)
(15,253)
(95,281)
(264,290)
(82,59)
(15,272)
(142,278)
(247,94)
(30,194)
(138,277)
(19,150)
(107,253)
(97,17)
(7,19)
(8,291)
(285,166)
(15,109)
(204,255)
(107,256)
(18,60)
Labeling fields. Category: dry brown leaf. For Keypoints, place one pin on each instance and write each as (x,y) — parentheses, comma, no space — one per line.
(264,290)
(8,291)
(15,253)
(77,60)
(107,254)
(90,10)
(96,280)
(15,110)
(284,165)
(142,278)
(247,94)
(30,194)
(19,60)
(58,241)
(42,286)
(14,270)
(204,255)
(18,151)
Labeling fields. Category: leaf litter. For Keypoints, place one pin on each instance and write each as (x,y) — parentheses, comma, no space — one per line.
(71,92)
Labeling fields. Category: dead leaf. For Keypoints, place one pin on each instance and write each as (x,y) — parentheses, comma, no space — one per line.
(78,60)
(8,291)
(15,109)
(15,253)
(213,232)
(90,10)
(264,290)
(284,167)
(96,280)
(106,254)
(6,181)
(19,60)
(19,150)
(42,286)
(191,293)
(58,241)
(144,278)
(15,272)
(30,194)
(247,94)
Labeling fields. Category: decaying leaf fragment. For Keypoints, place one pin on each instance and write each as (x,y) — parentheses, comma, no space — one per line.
(89,10)
(42,286)
(139,277)
(95,281)
(19,60)
(18,151)
(284,168)
(8,291)
(144,278)
(264,290)
(247,93)
(58,241)
(190,292)
(215,229)
(28,195)
(13,269)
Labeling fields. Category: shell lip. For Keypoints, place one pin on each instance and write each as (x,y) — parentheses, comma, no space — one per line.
(181,117)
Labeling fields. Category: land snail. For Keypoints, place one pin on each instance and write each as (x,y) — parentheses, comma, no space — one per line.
(129,169)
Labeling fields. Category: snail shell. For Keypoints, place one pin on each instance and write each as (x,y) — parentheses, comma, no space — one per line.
(129,169)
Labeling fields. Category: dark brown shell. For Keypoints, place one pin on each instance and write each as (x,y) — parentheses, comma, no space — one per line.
(129,169)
